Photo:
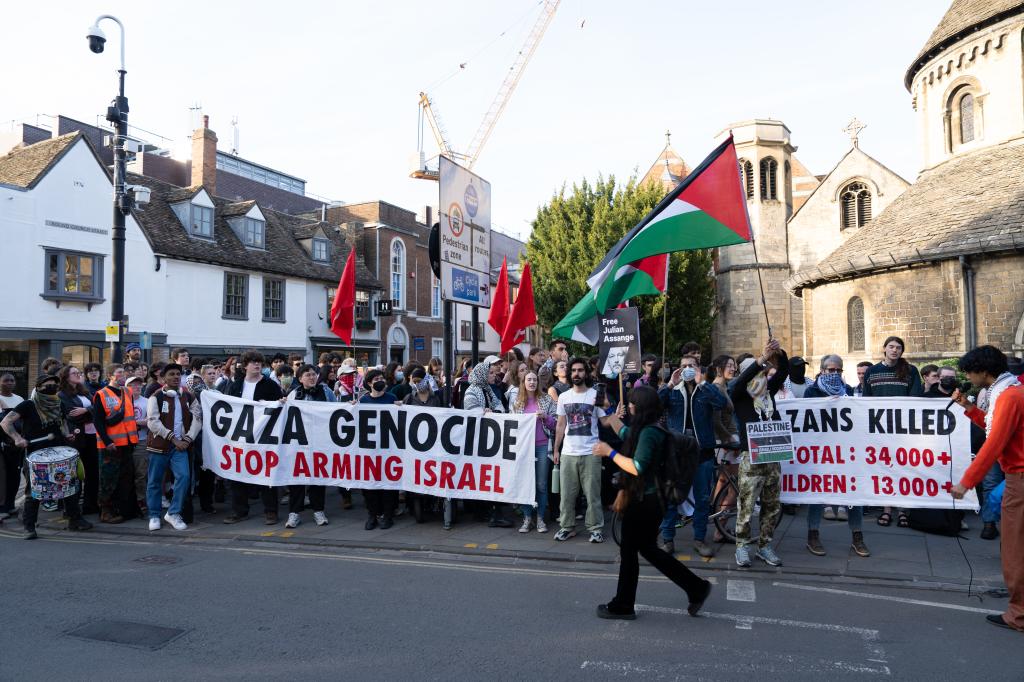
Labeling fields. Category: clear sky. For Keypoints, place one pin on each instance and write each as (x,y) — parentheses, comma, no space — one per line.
(328,91)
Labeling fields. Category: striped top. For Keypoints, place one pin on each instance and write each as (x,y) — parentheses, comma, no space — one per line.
(880,381)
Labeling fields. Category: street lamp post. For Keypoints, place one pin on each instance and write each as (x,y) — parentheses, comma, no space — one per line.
(117,114)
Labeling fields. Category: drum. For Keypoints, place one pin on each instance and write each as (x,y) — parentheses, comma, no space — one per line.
(53,473)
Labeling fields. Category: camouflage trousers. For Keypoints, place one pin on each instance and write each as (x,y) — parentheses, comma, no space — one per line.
(117,478)
(758,480)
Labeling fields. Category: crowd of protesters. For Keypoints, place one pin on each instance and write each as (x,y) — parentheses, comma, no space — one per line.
(137,429)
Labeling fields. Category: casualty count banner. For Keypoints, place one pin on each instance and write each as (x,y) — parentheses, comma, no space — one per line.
(441,452)
(903,452)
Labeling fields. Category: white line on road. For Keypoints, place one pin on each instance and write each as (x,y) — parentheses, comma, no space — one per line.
(740,590)
(885,597)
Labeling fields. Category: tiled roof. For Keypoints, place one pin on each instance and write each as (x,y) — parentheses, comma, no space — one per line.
(962,17)
(669,169)
(283,254)
(25,166)
(968,205)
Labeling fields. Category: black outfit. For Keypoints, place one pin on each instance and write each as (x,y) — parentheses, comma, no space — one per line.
(414,399)
(641,524)
(32,428)
(87,452)
(11,459)
(380,503)
(317,493)
(266,389)
(814,392)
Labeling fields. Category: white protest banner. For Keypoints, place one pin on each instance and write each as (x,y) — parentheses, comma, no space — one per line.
(902,452)
(441,452)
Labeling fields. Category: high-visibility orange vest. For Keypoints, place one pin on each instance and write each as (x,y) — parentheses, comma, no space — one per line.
(124,432)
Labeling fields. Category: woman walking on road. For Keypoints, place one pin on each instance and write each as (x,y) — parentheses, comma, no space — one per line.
(643,452)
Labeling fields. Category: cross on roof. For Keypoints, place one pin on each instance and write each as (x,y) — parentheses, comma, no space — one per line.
(853,129)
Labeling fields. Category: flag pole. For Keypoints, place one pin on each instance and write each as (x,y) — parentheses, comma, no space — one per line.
(760,282)
(664,310)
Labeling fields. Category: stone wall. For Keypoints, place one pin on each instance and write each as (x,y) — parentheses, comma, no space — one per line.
(923,305)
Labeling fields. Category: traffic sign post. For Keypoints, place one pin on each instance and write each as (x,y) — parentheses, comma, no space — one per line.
(464,235)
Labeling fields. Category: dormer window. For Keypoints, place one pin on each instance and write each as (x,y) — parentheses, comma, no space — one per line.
(201,221)
(255,233)
(320,249)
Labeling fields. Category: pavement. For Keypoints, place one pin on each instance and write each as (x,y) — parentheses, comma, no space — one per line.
(126,607)
(899,555)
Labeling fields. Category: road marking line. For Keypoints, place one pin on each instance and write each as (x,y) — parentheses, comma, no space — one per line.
(492,546)
(885,597)
(744,624)
(287,533)
(740,590)
(470,545)
(268,533)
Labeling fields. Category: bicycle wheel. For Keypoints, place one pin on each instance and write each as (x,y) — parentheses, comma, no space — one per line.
(724,516)
(617,528)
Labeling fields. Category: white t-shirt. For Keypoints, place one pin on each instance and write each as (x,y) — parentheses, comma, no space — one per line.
(11,401)
(581,425)
(249,389)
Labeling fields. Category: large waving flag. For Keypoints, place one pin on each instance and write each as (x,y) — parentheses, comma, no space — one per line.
(707,209)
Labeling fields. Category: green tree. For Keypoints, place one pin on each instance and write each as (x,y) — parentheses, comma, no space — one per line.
(574,230)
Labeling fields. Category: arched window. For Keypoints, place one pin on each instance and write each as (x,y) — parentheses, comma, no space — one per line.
(855,324)
(966,118)
(747,177)
(855,202)
(397,273)
(769,187)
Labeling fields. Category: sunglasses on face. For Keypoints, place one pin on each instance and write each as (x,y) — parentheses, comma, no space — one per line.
(832,370)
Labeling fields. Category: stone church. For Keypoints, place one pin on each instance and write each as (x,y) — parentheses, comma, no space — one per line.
(859,254)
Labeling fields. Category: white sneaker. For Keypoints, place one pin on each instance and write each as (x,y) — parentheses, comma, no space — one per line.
(293,521)
(320,518)
(175,520)
(154,523)
(541,526)
(525,528)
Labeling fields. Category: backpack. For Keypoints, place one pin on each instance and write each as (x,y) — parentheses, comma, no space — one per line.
(938,521)
(678,467)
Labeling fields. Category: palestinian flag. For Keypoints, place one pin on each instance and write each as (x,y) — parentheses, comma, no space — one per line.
(707,209)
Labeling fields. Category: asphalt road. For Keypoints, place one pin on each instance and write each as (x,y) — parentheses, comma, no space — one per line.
(234,610)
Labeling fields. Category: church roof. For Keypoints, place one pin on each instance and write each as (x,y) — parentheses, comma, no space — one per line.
(669,169)
(968,205)
(962,18)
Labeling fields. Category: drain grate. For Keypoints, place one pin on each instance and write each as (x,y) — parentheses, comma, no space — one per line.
(139,635)
(158,559)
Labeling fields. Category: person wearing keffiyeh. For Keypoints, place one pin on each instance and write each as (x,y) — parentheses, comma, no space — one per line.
(480,395)
(829,384)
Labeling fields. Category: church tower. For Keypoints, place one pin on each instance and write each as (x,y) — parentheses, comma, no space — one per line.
(765,154)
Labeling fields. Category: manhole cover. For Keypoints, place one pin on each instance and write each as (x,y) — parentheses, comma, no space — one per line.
(126,632)
(158,559)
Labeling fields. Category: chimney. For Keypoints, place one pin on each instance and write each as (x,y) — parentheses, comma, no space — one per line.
(204,157)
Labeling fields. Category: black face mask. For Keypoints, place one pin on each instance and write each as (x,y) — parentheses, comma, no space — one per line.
(379,386)
(48,389)
(947,383)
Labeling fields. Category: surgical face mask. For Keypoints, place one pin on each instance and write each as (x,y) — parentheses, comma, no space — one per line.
(689,373)
(948,383)
(399,376)
(379,386)
(286,381)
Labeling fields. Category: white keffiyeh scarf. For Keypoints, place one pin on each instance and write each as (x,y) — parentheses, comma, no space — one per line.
(1005,381)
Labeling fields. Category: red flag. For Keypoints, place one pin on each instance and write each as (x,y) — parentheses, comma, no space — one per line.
(523,313)
(499,304)
(343,308)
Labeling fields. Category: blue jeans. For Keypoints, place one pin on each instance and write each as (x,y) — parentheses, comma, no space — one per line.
(854,517)
(178,461)
(702,486)
(993,478)
(543,465)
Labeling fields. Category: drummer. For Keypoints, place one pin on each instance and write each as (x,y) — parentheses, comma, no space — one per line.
(42,416)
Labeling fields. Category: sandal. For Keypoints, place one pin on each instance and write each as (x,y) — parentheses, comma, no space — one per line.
(884,519)
(903,521)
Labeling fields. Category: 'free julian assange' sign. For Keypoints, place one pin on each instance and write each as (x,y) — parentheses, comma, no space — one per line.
(441,452)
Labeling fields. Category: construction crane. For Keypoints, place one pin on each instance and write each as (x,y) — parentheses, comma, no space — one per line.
(429,112)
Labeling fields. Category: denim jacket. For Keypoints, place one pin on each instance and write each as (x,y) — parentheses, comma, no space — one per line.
(705,400)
